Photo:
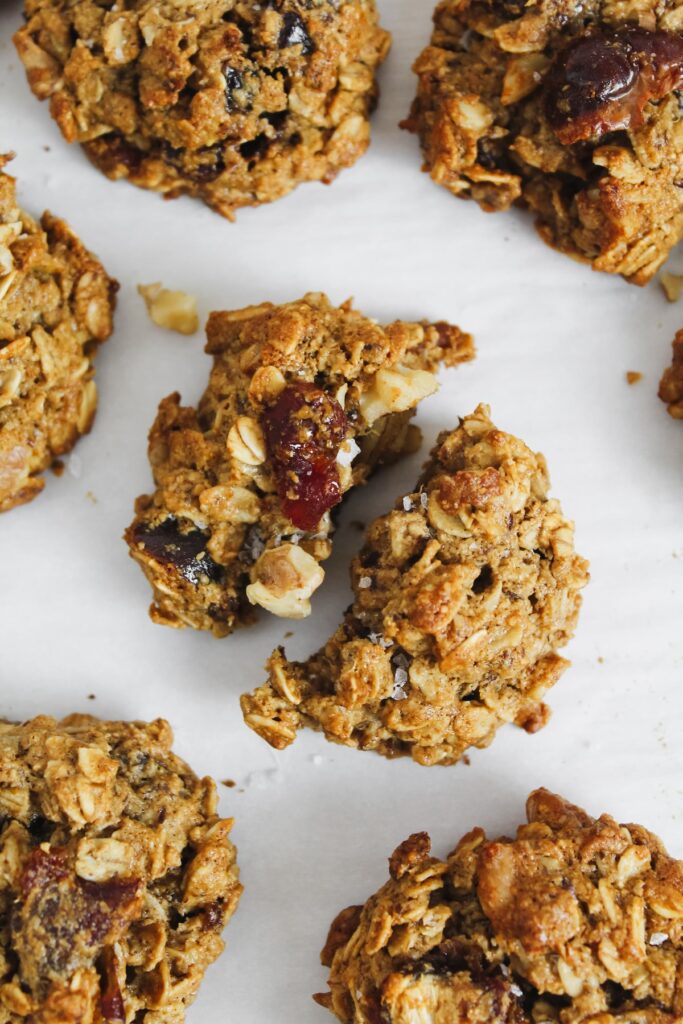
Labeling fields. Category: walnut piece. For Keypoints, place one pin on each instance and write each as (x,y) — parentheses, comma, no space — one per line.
(173,310)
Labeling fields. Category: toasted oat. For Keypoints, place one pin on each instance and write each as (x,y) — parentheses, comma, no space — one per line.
(56,306)
(173,310)
(463,594)
(304,400)
(549,927)
(116,873)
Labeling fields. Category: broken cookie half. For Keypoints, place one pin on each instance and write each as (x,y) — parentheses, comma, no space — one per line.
(463,594)
(303,401)
(574,920)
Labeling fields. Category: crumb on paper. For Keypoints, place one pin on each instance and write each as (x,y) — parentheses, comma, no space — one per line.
(91,497)
(58,467)
(633,376)
(230,783)
(672,285)
(289,634)
(91,696)
(601,660)
(173,310)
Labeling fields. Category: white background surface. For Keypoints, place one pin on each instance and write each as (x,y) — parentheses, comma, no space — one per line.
(315,824)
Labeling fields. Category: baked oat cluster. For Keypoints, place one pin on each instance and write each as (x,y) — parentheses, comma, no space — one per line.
(575,920)
(232,101)
(671,384)
(462,596)
(56,305)
(116,874)
(570,108)
(303,401)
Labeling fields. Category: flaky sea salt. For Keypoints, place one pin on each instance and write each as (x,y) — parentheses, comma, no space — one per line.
(365,583)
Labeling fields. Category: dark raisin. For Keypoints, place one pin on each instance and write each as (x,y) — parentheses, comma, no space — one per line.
(111,999)
(295,33)
(304,431)
(185,550)
(602,81)
(233,83)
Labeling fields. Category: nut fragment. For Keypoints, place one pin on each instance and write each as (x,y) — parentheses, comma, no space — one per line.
(174,310)
(396,390)
(284,579)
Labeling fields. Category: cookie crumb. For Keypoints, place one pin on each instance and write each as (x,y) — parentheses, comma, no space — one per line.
(172,310)
(230,783)
(91,497)
(91,696)
(672,286)
(58,467)
(633,376)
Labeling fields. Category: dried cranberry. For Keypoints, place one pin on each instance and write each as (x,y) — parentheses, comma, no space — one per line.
(184,550)
(43,867)
(111,999)
(602,81)
(304,431)
(116,892)
(295,33)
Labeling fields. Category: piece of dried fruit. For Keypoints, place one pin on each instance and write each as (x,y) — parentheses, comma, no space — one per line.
(601,82)
(304,431)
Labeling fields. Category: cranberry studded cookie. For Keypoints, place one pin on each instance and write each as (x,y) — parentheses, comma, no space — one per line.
(304,399)
(572,109)
(233,101)
(56,305)
(116,874)
(671,384)
(462,596)
(573,920)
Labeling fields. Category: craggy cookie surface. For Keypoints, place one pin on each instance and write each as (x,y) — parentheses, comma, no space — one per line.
(303,400)
(671,385)
(575,920)
(572,108)
(116,874)
(233,101)
(56,305)
(462,595)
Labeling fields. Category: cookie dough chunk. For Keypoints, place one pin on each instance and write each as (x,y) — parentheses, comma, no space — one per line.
(303,401)
(116,874)
(671,384)
(575,920)
(462,596)
(572,109)
(56,305)
(233,101)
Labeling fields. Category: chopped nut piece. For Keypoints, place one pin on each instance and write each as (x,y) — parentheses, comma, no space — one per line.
(461,602)
(672,284)
(176,311)
(284,580)
(633,377)
(56,309)
(279,437)
(115,869)
(511,930)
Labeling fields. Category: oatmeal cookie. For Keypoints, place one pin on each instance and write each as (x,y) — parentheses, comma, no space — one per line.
(304,399)
(671,384)
(233,101)
(575,920)
(56,305)
(116,874)
(570,108)
(462,596)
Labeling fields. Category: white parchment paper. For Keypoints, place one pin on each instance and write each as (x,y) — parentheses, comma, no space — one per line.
(315,824)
